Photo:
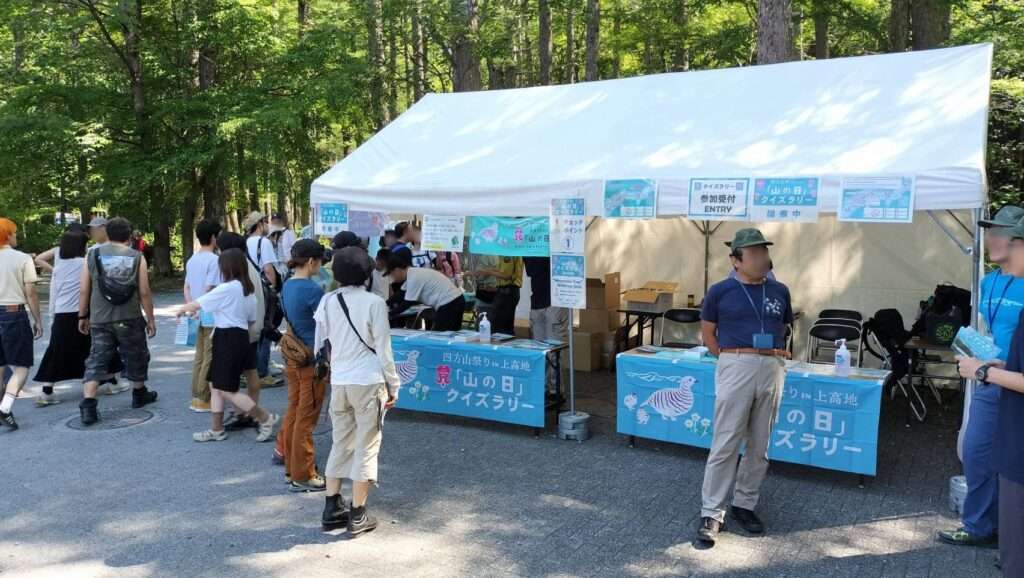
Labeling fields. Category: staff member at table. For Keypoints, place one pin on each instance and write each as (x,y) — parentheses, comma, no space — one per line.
(1002,296)
(429,287)
(743,322)
(1008,451)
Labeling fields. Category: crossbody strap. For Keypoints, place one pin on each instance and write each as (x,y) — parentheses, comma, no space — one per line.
(344,307)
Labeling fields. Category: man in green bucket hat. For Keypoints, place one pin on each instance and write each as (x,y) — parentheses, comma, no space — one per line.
(1000,302)
(743,322)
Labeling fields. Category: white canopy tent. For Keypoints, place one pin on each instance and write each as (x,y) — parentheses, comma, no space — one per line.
(510,152)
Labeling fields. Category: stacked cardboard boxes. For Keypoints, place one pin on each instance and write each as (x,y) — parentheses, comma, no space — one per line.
(597,323)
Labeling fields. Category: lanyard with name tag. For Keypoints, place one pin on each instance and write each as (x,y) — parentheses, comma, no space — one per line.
(760,340)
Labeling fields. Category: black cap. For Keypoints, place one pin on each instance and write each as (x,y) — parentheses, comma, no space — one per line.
(346,239)
(307,249)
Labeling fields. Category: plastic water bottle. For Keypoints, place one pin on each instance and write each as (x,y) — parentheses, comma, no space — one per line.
(485,329)
(842,359)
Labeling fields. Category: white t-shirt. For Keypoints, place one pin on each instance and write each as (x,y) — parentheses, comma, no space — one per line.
(261,251)
(16,271)
(202,271)
(229,306)
(65,284)
(352,363)
(430,288)
(381,284)
(284,245)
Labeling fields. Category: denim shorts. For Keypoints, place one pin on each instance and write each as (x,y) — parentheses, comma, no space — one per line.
(15,339)
(124,338)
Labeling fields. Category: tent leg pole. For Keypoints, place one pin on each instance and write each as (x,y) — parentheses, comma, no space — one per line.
(977,272)
(572,363)
(707,255)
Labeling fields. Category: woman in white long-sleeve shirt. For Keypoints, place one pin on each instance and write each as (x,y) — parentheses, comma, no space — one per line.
(354,324)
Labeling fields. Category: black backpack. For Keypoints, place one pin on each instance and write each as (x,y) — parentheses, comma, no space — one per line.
(273,312)
(887,327)
(113,291)
(947,310)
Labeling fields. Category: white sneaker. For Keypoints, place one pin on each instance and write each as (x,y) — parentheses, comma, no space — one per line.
(210,436)
(43,399)
(115,388)
(267,428)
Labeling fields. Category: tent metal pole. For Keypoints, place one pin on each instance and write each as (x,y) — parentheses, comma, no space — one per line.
(977,272)
(964,248)
(572,363)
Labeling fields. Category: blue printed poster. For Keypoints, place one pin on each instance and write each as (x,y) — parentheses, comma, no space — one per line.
(785,200)
(877,199)
(823,421)
(631,199)
(367,224)
(471,380)
(331,219)
(568,281)
(509,236)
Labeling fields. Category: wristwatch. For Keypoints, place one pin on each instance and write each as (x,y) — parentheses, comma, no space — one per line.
(981,374)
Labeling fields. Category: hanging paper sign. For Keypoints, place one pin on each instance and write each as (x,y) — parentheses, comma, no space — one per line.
(719,199)
(630,199)
(568,281)
(331,218)
(367,224)
(510,236)
(443,233)
(786,200)
(568,226)
(877,199)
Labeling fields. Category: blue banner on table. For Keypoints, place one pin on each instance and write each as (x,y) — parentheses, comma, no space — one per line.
(785,200)
(823,421)
(631,199)
(471,380)
(509,236)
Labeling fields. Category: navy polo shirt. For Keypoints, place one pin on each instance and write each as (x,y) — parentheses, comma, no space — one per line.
(1008,447)
(727,305)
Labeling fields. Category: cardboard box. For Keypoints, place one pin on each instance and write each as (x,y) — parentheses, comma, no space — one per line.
(523,328)
(587,351)
(653,297)
(604,293)
(598,320)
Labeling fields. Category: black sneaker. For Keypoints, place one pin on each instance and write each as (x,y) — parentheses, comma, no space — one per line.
(961,537)
(89,411)
(7,420)
(240,422)
(748,520)
(709,530)
(142,397)
(336,513)
(359,522)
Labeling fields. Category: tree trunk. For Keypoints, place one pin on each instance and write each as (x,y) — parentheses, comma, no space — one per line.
(465,65)
(524,67)
(18,38)
(899,26)
(419,52)
(616,31)
(392,71)
(302,17)
(375,53)
(775,32)
(188,218)
(544,41)
(820,33)
(681,51)
(930,23)
(593,38)
(570,43)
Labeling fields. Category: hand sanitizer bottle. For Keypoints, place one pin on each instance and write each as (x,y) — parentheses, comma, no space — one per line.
(485,329)
(842,359)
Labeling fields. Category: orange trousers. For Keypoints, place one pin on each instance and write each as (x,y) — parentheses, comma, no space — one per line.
(295,439)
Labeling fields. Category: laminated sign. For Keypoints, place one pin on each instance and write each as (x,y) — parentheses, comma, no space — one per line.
(331,219)
(719,199)
(785,200)
(568,244)
(443,233)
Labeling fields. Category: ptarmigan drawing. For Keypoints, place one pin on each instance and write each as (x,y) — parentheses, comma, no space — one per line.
(672,402)
(407,369)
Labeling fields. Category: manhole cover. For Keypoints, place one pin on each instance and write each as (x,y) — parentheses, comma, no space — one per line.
(112,419)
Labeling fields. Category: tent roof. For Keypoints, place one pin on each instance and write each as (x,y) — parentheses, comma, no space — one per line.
(509,152)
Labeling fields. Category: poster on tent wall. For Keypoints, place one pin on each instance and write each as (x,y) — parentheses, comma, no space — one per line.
(367,224)
(785,200)
(331,219)
(443,234)
(719,199)
(568,261)
(631,199)
(888,199)
(509,236)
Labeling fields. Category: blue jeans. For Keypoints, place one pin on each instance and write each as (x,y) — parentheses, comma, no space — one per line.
(263,357)
(981,506)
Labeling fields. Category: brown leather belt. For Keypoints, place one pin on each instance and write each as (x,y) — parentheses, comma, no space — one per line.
(765,352)
(13,308)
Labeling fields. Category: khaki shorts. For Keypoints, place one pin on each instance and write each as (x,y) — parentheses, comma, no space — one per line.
(355,416)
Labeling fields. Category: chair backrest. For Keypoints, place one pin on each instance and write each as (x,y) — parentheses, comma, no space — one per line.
(683,315)
(835,331)
(840,314)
